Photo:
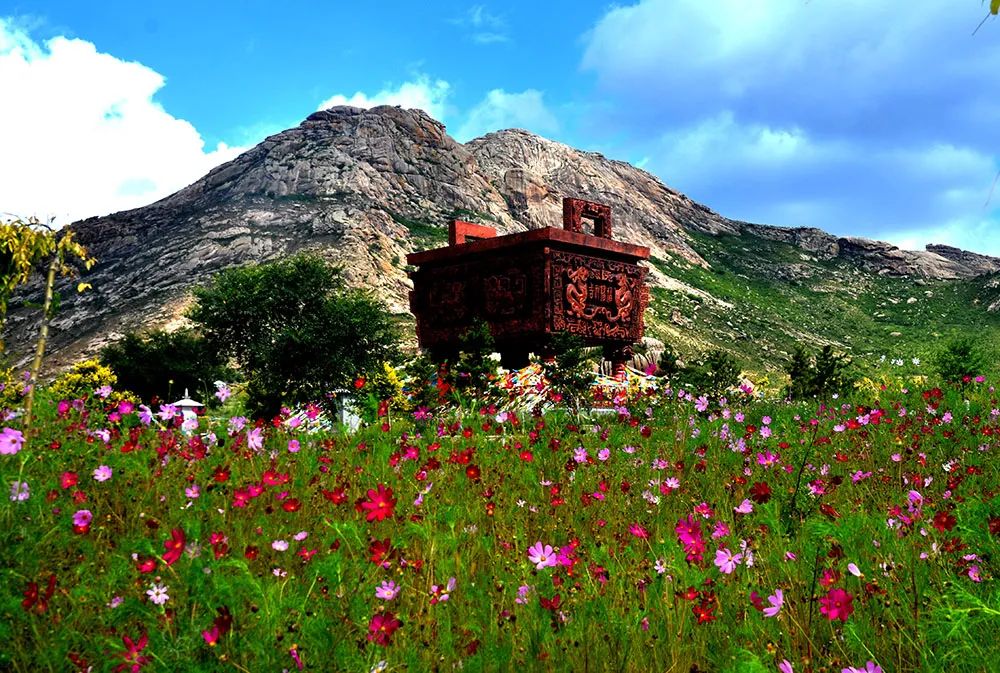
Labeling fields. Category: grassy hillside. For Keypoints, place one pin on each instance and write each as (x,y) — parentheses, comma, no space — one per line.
(763,297)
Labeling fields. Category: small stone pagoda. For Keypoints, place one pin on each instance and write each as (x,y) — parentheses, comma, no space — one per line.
(530,284)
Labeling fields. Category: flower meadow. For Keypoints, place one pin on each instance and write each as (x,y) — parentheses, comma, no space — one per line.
(672,533)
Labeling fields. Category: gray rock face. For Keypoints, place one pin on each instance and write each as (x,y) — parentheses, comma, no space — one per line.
(364,187)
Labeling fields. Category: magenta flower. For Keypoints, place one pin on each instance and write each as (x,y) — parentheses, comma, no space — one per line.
(387,591)
(837,604)
(777,600)
(82,517)
(727,561)
(11,441)
(870,667)
(785,666)
(542,556)
(293,446)
(145,414)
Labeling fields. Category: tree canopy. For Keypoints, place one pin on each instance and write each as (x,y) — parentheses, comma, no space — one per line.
(296,331)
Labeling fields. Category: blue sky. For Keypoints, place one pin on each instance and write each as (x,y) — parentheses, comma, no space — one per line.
(860,117)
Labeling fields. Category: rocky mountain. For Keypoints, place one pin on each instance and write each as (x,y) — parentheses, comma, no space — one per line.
(365,187)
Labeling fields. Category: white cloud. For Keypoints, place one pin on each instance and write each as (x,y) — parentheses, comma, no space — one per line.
(978,234)
(82,135)
(483,26)
(501,110)
(422,93)
(859,117)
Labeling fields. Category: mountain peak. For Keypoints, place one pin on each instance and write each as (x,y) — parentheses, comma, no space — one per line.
(366,186)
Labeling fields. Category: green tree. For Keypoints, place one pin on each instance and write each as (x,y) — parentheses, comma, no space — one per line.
(162,364)
(959,361)
(714,373)
(294,329)
(475,367)
(817,375)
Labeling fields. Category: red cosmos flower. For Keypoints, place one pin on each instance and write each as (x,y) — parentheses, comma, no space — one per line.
(291,505)
(380,503)
(551,604)
(273,478)
(381,628)
(994,525)
(704,611)
(220,627)
(241,498)
(68,479)
(251,552)
(132,661)
(760,492)
(337,496)
(829,510)
(830,577)
(837,604)
(944,521)
(472,472)
(174,546)
(221,474)
(32,599)
(379,551)
(145,565)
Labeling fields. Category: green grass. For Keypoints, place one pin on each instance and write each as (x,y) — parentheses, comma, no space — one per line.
(859,312)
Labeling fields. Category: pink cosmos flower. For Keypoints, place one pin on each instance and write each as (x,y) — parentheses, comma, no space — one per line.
(638,530)
(542,555)
(11,441)
(785,666)
(103,473)
(167,412)
(19,491)
(870,667)
(777,599)
(255,439)
(387,591)
(744,507)
(158,594)
(726,561)
(293,446)
(82,517)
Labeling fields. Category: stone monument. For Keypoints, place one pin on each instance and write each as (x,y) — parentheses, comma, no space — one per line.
(530,284)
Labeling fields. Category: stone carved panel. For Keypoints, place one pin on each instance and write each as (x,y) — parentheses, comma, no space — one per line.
(598,299)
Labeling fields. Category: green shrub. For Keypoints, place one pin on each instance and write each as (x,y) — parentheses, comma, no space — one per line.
(570,370)
(163,364)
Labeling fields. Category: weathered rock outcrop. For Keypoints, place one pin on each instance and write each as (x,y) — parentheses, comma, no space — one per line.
(364,187)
